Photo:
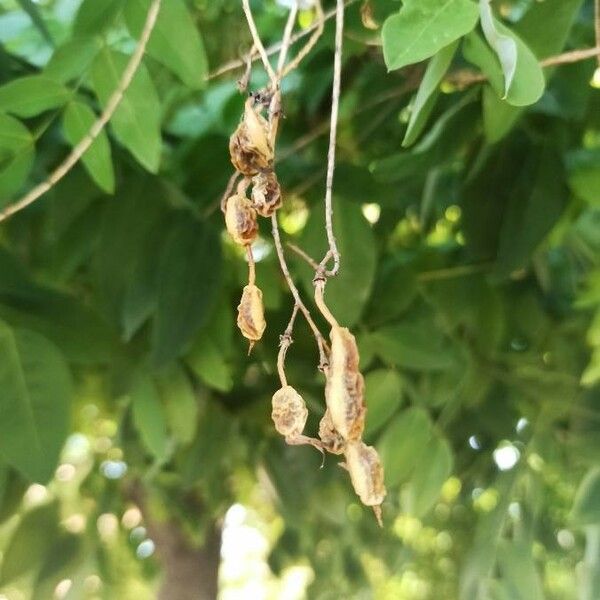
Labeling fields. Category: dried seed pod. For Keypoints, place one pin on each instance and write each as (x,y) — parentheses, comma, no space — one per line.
(332,441)
(249,146)
(240,219)
(366,472)
(266,193)
(345,386)
(251,317)
(289,412)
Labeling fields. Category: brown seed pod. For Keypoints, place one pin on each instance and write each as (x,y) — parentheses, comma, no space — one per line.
(345,386)
(249,146)
(266,193)
(366,473)
(332,441)
(240,219)
(289,412)
(251,318)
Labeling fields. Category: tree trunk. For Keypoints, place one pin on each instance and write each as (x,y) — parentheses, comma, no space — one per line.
(188,573)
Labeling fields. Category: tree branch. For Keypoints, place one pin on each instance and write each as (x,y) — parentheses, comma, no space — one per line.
(294,290)
(113,102)
(275,48)
(258,43)
(335,103)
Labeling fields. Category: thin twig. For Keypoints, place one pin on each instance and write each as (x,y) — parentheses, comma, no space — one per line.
(287,35)
(294,290)
(303,255)
(597,26)
(228,189)
(285,342)
(251,265)
(320,25)
(258,42)
(274,49)
(113,102)
(335,102)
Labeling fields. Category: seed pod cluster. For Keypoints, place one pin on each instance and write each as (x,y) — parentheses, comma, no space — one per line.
(342,425)
(249,146)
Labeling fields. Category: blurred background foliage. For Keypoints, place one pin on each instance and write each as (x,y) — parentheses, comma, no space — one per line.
(137,456)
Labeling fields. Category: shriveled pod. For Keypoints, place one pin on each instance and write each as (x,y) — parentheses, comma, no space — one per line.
(251,314)
(289,414)
(249,146)
(332,440)
(344,386)
(366,473)
(241,220)
(266,193)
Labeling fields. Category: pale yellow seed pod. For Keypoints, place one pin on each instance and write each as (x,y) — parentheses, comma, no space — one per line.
(289,412)
(266,193)
(249,145)
(251,316)
(344,387)
(366,474)
(332,440)
(241,220)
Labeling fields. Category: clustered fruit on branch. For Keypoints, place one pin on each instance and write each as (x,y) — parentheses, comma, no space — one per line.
(252,150)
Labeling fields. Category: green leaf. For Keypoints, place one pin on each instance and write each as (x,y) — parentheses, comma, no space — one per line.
(402,444)
(32,9)
(149,416)
(504,46)
(77,120)
(31,95)
(584,174)
(35,402)
(481,558)
(428,91)
(30,543)
(77,330)
(94,17)
(187,57)
(180,402)
(71,60)
(383,393)
(189,281)
(424,27)
(136,122)
(17,153)
(129,250)
(431,471)
(415,344)
(208,362)
(347,293)
(586,507)
(518,572)
(535,205)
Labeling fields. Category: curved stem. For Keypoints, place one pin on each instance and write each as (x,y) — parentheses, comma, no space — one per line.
(335,102)
(113,102)
(320,24)
(251,265)
(294,291)
(287,36)
(258,43)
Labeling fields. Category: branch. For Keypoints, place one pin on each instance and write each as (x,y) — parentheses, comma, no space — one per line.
(318,30)
(287,35)
(285,342)
(275,48)
(335,102)
(258,42)
(597,26)
(113,102)
(294,290)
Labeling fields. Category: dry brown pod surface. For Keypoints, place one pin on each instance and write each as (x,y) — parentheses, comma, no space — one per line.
(251,316)
(241,220)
